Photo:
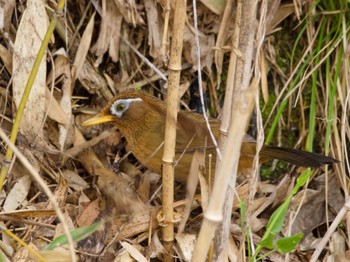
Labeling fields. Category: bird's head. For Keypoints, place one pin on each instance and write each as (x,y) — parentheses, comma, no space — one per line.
(129,110)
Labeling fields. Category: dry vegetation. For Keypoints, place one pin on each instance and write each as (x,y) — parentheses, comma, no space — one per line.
(301,70)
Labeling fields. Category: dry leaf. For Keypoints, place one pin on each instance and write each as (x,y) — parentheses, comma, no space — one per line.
(128,9)
(186,243)
(338,246)
(206,47)
(83,48)
(123,256)
(6,57)
(133,251)
(17,194)
(157,246)
(109,33)
(30,34)
(25,213)
(89,214)
(154,27)
(74,180)
(66,131)
(55,111)
(8,7)
(310,205)
(282,12)
(217,6)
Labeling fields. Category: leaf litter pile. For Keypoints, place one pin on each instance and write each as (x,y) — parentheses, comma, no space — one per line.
(109,201)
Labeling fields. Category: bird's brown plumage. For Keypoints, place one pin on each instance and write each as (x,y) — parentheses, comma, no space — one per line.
(142,122)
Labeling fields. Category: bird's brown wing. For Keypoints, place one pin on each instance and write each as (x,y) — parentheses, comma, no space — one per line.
(197,136)
(192,132)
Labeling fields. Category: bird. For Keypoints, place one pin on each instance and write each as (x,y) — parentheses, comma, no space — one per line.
(140,117)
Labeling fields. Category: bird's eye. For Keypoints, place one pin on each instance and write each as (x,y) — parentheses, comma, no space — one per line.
(120,107)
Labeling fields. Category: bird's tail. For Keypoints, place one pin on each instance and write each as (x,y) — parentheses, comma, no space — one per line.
(296,157)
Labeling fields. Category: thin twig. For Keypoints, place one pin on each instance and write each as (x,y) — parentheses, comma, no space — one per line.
(196,37)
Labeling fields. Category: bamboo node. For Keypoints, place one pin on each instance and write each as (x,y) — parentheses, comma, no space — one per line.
(163,222)
(175,68)
(214,217)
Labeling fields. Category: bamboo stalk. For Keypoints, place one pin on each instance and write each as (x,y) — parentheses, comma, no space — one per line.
(221,234)
(241,69)
(242,104)
(170,126)
(213,217)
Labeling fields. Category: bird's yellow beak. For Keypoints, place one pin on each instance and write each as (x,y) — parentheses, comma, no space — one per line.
(98,119)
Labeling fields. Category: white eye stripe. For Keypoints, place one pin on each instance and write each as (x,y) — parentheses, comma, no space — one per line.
(123,104)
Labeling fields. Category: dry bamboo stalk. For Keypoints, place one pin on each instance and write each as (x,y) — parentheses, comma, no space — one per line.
(241,109)
(170,126)
(222,232)
(243,42)
(213,217)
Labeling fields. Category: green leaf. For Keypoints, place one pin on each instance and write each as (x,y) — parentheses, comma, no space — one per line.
(302,179)
(275,223)
(77,235)
(267,242)
(288,244)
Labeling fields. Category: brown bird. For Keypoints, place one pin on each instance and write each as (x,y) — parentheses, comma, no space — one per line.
(141,119)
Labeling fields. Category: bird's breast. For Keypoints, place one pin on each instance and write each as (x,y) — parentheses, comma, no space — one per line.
(146,144)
